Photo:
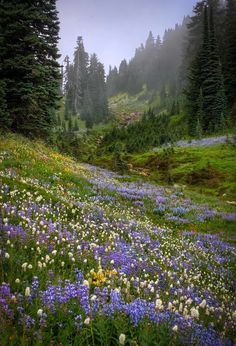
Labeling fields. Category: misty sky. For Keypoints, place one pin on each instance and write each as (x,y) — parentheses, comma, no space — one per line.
(114,28)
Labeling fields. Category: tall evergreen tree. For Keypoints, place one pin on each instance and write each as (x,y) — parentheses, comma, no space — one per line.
(80,75)
(206,101)
(112,81)
(95,107)
(230,55)
(193,94)
(68,87)
(29,68)
(212,83)
(5,120)
(193,39)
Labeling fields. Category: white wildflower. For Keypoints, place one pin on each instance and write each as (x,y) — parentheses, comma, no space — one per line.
(87,321)
(13,299)
(40,264)
(122,338)
(203,304)
(159,305)
(24,266)
(27,291)
(175,328)
(40,312)
(39,198)
(86,283)
(194,313)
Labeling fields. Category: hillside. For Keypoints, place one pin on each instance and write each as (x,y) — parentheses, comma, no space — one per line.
(89,257)
(209,169)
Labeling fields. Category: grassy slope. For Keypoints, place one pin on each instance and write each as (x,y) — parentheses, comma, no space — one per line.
(38,176)
(206,175)
(126,103)
(205,169)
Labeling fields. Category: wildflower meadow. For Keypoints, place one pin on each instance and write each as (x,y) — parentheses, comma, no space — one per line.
(89,257)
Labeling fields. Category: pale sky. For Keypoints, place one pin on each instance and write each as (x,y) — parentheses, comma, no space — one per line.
(114,28)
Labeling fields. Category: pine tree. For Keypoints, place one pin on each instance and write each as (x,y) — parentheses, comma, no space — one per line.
(123,75)
(212,84)
(5,121)
(70,125)
(119,163)
(205,93)
(230,55)
(112,81)
(76,125)
(173,108)
(95,107)
(68,87)
(193,40)
(29,68)
(59,120)
(87,109)
(80,75)
(200,115)
(194,94)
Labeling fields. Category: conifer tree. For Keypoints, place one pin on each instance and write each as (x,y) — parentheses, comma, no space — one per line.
(29,68)
(205,93)
(95,107)
(5,120)
(70,124)
(193,40)
(212,83)
(112,81)
(68,87)
(76,125)
(80,75)
(230,55)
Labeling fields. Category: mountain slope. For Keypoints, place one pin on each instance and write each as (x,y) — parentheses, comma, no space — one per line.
(91,257)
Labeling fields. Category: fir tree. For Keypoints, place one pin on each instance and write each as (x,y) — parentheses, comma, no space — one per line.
(29,68)
(76,125)
(230,55)
(112,81)
(192,92)
(68,87)
(80,75)
(5,121)
(212,84)
(70,125)
(193,40)
(205,93)
(95,107)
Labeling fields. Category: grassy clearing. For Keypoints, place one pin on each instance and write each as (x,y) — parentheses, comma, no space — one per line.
(125,103)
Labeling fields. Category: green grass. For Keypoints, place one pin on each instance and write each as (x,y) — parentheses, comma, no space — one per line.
(123,102)
(211,169)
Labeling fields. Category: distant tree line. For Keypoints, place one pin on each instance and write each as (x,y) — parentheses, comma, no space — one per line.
(194,62)
(85,87)
(29,71)
(155,64)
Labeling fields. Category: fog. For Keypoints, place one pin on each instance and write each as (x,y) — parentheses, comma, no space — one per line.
(114,28)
